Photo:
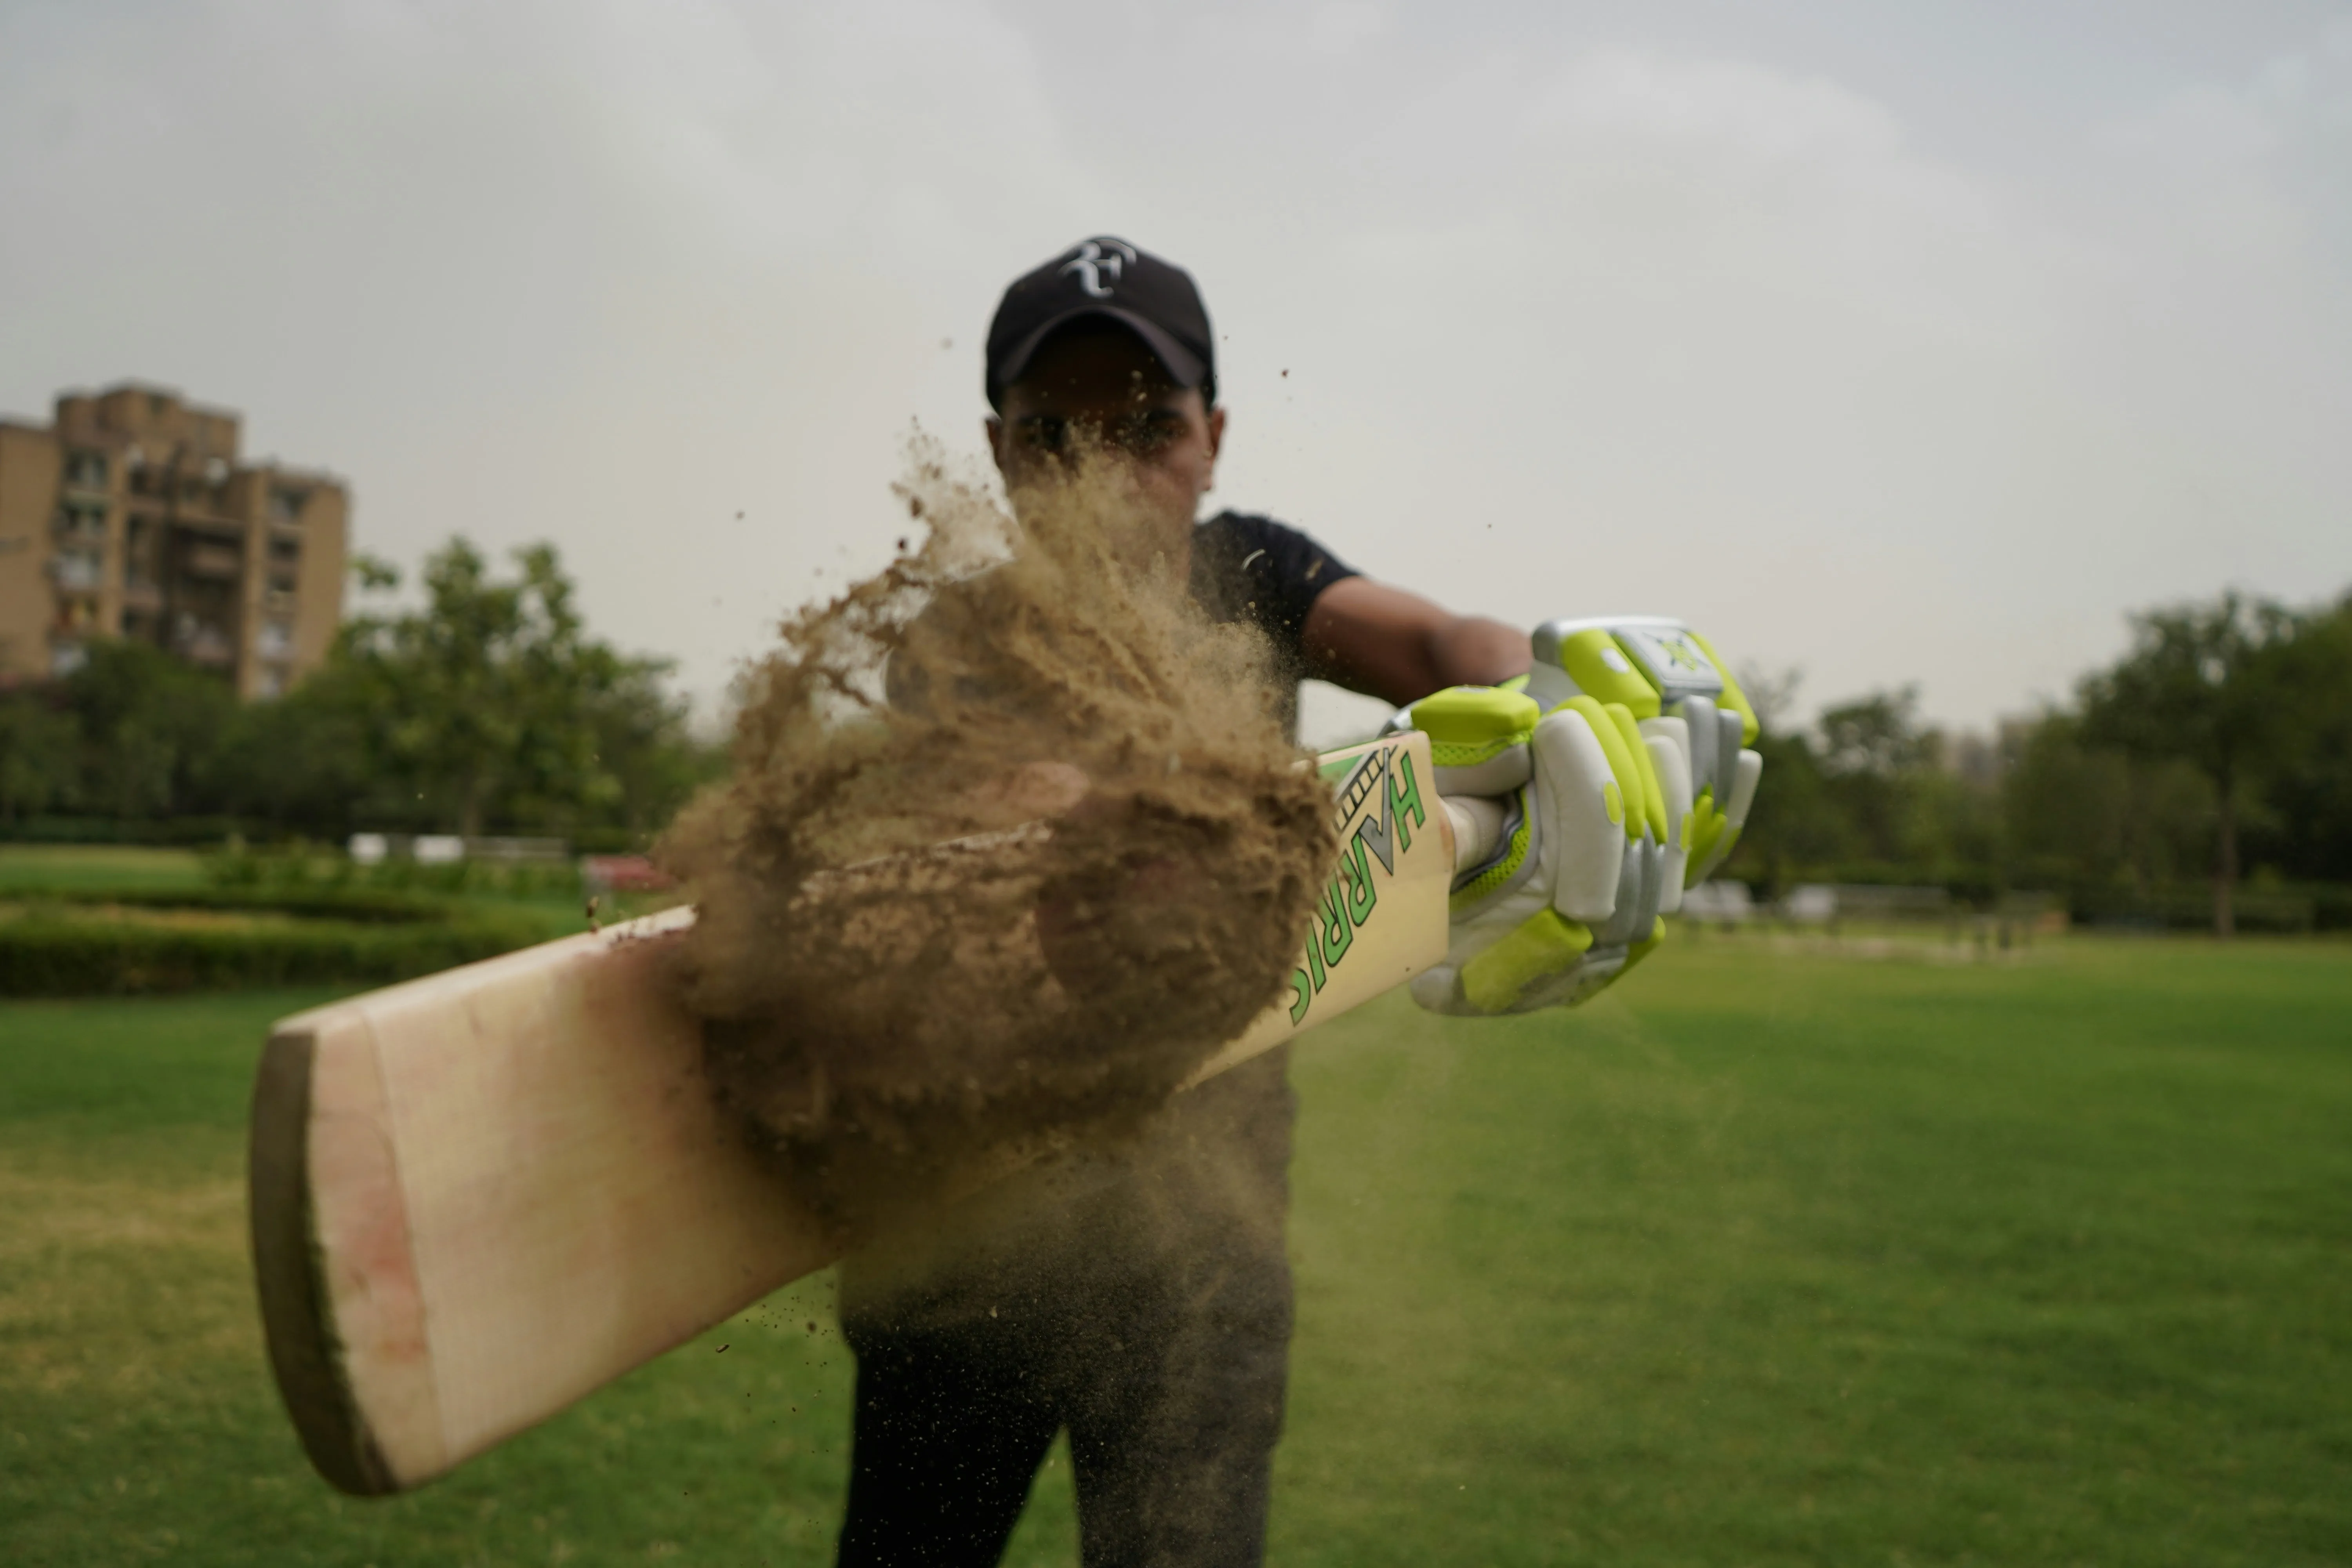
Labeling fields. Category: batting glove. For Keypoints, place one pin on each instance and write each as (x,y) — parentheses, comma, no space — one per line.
(1692,717)
(1563,895)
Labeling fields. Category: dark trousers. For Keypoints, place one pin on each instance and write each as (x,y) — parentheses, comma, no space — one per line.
(1149,1316)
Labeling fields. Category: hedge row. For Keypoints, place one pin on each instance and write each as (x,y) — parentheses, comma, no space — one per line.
(298,869)
(201,832)
(368,906)
(44,955)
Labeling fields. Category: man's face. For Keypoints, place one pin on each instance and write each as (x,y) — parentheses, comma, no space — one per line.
(1101,390)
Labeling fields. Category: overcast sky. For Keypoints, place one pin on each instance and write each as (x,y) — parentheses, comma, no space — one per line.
(1900,343)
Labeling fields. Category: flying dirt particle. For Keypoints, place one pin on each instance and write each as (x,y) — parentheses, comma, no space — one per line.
(1014,839)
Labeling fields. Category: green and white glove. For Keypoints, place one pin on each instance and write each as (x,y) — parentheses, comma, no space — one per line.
(1585,804)
(1692,718)
(1565,861)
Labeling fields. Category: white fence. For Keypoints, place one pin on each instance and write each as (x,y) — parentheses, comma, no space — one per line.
(449,849)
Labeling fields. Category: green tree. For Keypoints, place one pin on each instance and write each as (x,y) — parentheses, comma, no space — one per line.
(2310,792)
(642,740)
(2090,816)
(153,731)
(1874,751)
(2203,685)
(40,748)
(306,763)
(492,702)
(1868,793)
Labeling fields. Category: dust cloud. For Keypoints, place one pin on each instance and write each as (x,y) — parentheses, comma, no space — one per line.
(1014,838)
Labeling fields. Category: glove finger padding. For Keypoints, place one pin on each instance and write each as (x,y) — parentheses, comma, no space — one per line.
(1583,806)
(1745,772)
(1478,738)
(1668,742)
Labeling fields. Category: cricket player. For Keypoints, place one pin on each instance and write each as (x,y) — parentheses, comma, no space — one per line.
(1139,1296)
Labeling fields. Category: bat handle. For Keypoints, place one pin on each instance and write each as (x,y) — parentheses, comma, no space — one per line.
(1478,824)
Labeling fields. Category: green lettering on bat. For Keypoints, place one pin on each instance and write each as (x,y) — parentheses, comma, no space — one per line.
(1338,935)
(1299,983)
(1357,873)
(1404,795)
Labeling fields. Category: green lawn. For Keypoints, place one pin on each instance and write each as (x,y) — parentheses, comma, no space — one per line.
(1775,1258)
(94,868)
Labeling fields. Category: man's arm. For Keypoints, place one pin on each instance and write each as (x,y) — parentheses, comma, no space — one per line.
(1400,647)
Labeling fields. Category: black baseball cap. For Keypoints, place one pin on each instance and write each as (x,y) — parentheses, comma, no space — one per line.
(1108,278)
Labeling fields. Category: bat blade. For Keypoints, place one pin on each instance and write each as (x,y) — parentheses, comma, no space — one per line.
(480,1196)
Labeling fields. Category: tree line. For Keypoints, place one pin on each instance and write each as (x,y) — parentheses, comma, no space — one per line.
(487,707)
(2217,749)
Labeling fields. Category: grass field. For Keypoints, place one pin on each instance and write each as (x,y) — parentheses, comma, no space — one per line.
(1774,1259)
(97,868)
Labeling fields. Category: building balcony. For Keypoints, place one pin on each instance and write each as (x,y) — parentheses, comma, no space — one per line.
(205,644)
(204,524)
(139,594)
(216,562)
(78,573)
(84,523)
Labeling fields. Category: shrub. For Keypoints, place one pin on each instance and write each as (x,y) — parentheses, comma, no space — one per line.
(51,957)
(366,906)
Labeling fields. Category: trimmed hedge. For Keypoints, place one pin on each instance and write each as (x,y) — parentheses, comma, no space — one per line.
(44,956)
(285,873)
(63,945)
(366,906)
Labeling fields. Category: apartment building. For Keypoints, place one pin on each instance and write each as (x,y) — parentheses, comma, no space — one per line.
(131,515)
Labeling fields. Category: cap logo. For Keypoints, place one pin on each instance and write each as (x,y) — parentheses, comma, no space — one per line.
(1096,259)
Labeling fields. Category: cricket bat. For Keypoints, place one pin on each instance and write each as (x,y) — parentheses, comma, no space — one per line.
(480,1196)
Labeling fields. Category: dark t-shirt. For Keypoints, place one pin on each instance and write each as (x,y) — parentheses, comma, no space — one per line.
(1253,569)
(1200,1193)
